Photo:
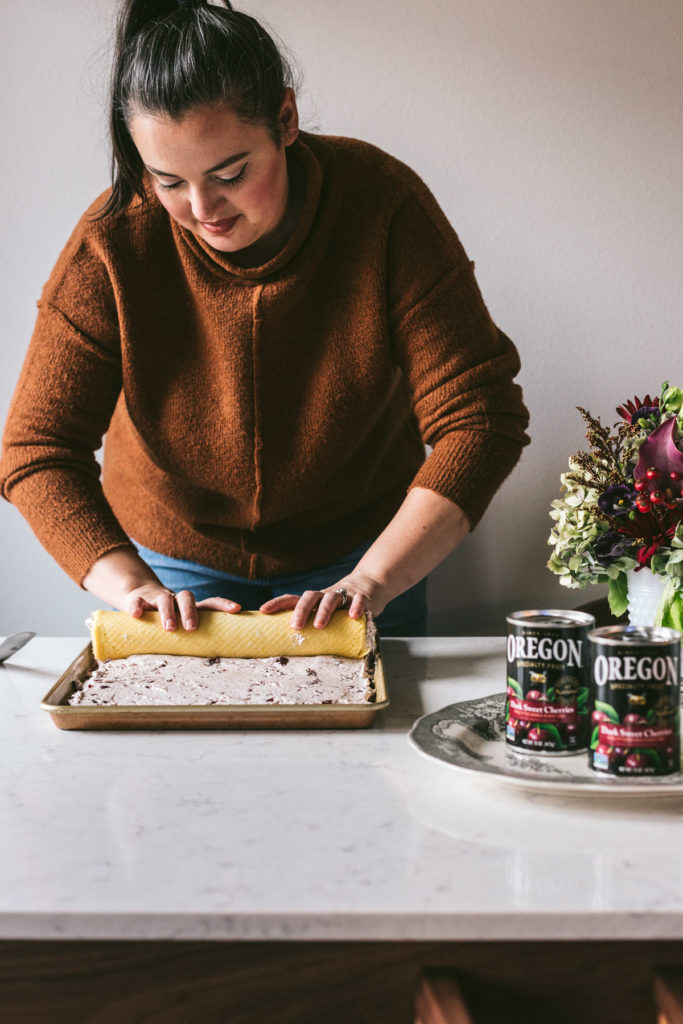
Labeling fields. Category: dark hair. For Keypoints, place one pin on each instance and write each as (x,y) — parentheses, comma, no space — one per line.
(171,57)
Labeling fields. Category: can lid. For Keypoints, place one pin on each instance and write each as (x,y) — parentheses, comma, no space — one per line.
(634,635)
(561,618)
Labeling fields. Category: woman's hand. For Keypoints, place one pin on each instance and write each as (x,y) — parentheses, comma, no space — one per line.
(363,594)
(425,529)
(122,579)
(172,607)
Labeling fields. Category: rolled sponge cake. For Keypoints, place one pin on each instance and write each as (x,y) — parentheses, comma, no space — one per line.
(247,634)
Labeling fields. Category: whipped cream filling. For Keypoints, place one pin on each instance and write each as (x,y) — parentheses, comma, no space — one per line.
(171,679)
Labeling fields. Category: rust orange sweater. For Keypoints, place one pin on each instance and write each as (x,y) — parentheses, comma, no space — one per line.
(269,419)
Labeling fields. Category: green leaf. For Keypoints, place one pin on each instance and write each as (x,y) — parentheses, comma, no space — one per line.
(617,594)
(554,731)
(594,737)
(550,693)
(671,400)
(654,755)
(608,710)
(515,686)
(670,611)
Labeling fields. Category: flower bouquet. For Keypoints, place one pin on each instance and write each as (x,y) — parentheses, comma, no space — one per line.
(622,505)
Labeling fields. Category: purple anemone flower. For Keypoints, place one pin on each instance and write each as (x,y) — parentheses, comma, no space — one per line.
(617,500)
(609,547)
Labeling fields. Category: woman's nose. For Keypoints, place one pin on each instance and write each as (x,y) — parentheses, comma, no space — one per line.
(207,205)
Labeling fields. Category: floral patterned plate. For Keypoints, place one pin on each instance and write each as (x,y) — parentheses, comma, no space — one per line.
(470,737)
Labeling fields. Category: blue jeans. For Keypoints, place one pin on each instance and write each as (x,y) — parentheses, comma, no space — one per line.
(406,615)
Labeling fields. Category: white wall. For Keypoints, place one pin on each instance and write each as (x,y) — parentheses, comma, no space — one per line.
(550,133)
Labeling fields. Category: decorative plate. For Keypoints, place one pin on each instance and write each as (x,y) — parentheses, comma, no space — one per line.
(470,737)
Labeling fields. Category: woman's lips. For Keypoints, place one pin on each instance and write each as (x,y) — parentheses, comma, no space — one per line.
(219,227)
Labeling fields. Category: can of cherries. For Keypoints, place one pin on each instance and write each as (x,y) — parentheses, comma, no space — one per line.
(548,675)
(635,700)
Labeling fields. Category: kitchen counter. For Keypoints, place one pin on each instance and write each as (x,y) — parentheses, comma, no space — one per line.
(333,835)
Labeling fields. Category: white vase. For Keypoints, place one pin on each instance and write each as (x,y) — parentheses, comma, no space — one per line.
(645,591)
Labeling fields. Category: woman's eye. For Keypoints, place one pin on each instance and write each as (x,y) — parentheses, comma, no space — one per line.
(233,181)
(223,181)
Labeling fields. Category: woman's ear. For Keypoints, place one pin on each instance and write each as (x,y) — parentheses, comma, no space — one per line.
(288,118)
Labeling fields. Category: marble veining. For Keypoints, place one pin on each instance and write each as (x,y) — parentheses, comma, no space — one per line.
(310,835)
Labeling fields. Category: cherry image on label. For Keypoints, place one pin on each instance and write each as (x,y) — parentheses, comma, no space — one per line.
(635,701)
(546,710)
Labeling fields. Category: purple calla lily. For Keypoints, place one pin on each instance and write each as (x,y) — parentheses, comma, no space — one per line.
(660,452)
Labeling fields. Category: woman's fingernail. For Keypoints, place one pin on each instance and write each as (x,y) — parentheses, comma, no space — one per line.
(190,624)
(170,624)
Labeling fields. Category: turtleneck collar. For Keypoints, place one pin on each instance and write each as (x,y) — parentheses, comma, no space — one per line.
(221,261)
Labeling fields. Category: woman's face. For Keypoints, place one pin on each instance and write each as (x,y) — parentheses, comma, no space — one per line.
(223,179)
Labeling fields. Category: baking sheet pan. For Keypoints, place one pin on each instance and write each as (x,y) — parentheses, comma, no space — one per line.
(200,716)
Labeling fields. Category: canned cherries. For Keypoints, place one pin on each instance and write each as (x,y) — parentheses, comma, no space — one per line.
(635,691)
(548,668)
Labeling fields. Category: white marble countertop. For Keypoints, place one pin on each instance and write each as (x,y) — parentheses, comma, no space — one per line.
(344,835)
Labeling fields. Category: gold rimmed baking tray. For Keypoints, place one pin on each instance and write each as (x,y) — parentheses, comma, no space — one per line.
(202,716)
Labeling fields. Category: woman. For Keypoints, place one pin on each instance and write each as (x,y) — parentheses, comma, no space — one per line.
(268,325)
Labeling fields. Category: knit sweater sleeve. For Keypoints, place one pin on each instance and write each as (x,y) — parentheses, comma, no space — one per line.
(458,365)
(68,388)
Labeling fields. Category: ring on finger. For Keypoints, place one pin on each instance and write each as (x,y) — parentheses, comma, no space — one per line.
(344,596)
